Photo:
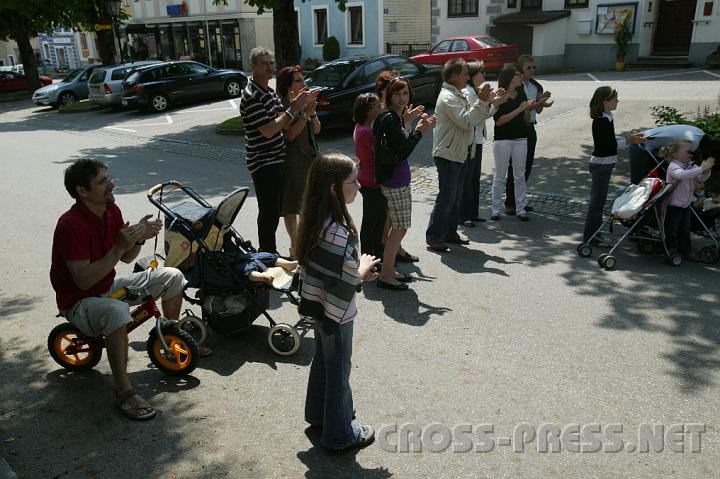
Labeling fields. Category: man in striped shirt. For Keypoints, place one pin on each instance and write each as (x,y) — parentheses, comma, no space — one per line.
(265,117)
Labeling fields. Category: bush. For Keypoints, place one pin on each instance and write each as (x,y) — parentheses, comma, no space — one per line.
(707,121)
(331,49)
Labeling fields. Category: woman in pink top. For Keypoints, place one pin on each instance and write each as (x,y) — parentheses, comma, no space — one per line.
(365,110)
(682,174)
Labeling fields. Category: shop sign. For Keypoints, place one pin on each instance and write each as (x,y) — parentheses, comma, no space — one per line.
(177,10)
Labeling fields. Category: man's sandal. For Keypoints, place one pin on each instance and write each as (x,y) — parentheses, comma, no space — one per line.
(140,412)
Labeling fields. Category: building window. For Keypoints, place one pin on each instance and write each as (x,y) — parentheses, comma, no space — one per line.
(46,51)
(531,5)
(355,25)
(576,3)
(512,4)
(462,8)
(321,25)
(83,42)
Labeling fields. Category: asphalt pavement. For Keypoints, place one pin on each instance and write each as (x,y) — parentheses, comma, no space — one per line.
(512,334)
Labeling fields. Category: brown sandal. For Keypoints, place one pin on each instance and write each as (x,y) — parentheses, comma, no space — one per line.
(137,412)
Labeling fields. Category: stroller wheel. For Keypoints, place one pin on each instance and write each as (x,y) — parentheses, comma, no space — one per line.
(584,250)
(194,326)
(601,260)
(609,262)
(674,259)
(708,254)
(283,339)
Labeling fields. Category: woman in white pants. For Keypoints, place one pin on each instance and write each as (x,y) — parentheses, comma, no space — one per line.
(510,142)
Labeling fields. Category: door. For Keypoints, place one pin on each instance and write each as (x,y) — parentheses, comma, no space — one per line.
(674,27)
(202,83)
(71,57)
(62,63)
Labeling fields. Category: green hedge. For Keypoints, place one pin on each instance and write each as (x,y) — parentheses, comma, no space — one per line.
(706,120)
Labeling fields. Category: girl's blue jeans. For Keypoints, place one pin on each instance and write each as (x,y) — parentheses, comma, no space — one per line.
(598,195)
(329,398)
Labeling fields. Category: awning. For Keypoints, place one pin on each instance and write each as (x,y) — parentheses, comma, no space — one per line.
(134,28)
(533,17)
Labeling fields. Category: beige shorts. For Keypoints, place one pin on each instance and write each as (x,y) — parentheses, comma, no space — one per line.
(399,205)
(102,316)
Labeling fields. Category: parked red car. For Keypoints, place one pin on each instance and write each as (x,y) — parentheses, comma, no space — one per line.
(11,81)
(494,53)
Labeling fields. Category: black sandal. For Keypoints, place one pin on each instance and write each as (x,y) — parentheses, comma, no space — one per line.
(406,258)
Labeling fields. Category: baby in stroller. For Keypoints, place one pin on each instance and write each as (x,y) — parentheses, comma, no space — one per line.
(683,175)
(267,268)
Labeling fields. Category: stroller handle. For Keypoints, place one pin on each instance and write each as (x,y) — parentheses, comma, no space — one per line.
(160,186)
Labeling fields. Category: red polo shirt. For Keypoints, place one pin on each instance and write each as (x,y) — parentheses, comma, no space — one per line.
(82,235)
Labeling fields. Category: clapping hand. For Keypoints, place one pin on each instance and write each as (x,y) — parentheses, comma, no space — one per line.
(367,267)
(707,164)
(150,228)
(485,92)
(543,99)
(412,113)
(499,97)
(426,122)
(298,103)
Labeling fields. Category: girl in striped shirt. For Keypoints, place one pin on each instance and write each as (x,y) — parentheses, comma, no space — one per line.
(331,271)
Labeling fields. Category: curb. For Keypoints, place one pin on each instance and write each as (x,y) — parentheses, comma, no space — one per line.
(81,110)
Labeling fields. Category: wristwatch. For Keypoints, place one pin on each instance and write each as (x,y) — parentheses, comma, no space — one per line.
(289,113)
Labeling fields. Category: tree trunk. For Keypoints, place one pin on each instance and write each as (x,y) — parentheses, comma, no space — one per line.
(285,34)
(106,42)
(27,55)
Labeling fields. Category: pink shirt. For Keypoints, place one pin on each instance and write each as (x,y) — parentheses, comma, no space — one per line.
(683,177)
(365,152)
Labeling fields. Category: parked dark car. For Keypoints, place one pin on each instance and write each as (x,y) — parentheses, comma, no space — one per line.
(158,86)
(12,81)
(341,81)
(494,53)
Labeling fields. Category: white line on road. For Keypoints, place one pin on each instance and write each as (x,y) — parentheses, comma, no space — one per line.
(665,75)
(711,73)
(569,112)
(233,104)
(119,129)
(209,109)
(593,77)
(169,119)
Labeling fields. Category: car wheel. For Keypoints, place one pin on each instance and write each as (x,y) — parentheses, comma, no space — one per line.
(233,88)
(159,102)
(67,98)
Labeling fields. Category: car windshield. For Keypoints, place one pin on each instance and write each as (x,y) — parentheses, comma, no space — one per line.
(132,78)
(330,75)
(489,42)
(73,75)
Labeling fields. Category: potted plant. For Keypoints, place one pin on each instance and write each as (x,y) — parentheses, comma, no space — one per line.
(622,36)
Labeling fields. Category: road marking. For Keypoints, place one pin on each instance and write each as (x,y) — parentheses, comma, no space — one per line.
(711,73)
(169,119)
(569,112)
(233,104)
(208,109)
(593,77)
(119,129)
(665,75)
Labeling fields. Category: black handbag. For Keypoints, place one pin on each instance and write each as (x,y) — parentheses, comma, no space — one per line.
(386,159)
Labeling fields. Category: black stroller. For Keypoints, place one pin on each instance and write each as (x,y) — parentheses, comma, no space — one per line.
(201,241)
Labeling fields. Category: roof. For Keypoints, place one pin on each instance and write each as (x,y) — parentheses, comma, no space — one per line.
(533,17)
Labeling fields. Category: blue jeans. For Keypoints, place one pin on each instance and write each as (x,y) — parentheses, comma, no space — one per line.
(598,195)
(329,397)
(444,217)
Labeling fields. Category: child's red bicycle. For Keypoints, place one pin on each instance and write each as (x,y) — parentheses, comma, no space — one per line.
(171,348)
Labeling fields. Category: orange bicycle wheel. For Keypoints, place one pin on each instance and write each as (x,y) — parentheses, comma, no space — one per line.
(71,350)
(183,348)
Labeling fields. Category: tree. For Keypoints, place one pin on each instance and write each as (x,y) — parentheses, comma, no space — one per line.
(285,33)
(21,20)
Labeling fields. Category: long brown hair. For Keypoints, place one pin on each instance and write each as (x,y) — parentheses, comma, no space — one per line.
(320,203)
(597,102)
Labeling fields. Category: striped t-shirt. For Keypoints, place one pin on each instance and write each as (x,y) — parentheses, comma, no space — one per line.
(258,107)
(330,279)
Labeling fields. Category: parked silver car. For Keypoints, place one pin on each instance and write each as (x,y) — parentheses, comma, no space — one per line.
(71,89)
(105,84)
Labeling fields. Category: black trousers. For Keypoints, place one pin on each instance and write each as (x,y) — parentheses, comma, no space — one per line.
(510,185)
(268,182)
(373,221)
(470,203)
(677,228)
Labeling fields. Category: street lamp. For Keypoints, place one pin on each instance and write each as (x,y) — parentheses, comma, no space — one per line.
(113,8)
